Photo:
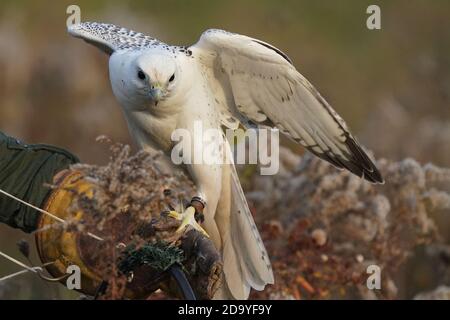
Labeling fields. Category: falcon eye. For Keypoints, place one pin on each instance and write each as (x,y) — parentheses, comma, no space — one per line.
(141,75)
(172,78)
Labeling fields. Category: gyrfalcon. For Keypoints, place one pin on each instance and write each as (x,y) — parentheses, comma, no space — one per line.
(223,80)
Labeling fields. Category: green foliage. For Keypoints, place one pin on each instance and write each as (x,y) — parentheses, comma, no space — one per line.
(158,255)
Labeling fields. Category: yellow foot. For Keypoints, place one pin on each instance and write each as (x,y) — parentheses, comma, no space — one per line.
(175,215)
(187,219)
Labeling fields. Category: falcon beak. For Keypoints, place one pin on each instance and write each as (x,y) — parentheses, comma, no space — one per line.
(156,93)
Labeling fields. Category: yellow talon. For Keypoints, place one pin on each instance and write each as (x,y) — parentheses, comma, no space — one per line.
(175,215)
(188,218)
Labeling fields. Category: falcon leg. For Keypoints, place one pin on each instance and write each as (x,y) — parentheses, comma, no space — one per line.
(188,219)
(190,216)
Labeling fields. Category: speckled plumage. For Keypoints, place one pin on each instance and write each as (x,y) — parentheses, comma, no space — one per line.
(119,38)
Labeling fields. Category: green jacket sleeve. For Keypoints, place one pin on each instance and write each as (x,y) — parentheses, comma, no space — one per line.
(24,172)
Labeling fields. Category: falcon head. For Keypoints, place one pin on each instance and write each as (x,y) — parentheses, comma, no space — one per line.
(143,70)
(143,78)
(154,75)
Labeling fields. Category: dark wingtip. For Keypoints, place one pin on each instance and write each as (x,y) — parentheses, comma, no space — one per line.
(356,161)
(360,158)
(374,177)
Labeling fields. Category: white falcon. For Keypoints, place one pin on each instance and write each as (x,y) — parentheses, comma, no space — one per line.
(223,80)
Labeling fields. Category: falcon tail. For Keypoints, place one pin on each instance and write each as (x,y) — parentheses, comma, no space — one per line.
(246,263)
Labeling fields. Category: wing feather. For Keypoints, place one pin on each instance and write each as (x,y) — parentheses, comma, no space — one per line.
(110,38)
(266,86)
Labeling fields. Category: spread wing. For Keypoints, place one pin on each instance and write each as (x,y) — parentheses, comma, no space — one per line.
(264,85)
(110,38)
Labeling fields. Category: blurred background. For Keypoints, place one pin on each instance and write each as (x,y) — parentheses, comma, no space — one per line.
(391,85)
